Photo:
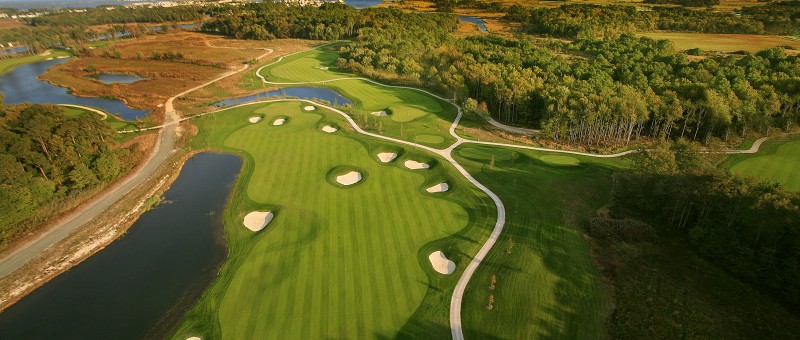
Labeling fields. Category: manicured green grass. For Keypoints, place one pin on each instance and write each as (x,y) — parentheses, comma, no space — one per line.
(9,64)
(547,285)
(335,262)
(777,161)
(412,113)
(314,65)
(115,122)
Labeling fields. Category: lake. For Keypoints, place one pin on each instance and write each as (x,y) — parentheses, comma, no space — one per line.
(22,85)
(328,95)
(142,284)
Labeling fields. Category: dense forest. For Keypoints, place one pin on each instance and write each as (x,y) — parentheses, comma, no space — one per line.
(749,228)
(46,157)
(592,93)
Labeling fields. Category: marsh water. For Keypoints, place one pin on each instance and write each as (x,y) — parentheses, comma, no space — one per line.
(328,95)
(475,20)
(22,85)
(141,284)
(116,78)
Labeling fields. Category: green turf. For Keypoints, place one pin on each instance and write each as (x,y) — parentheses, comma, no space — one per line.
(777,161)
(335,262)
(9,64)
(412,113)
(560,160)
(115,122)
(547,285)
(308,66)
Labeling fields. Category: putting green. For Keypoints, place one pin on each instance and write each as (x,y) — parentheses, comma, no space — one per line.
(335,262)
(405,113)
(560,160)
(777,161)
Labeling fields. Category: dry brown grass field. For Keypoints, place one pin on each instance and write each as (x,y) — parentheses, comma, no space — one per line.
(10,23)
(725,42)
(164,78)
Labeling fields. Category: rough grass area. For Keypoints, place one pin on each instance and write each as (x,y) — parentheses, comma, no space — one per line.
(777,161)
(547,285)
(663,290)
(335,262)
(412,112)
(724,42)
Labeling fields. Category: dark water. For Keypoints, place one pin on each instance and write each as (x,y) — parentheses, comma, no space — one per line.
(141,285)
(475,20)
(328,95)
(22,85)
(363,3)
(15,50)
(114,78)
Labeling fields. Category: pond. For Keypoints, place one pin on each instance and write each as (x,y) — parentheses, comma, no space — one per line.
(116,78)
(363,3)
(328,95)
(141,285)
(475,20)
(22,85)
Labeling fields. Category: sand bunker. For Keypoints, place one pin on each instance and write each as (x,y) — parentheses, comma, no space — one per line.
(349,178)
(380,113)
(194,338)
(309,108)
(279,121)
(254,119)
(414,165)
(441,187)
(387,157)
(257,220)
(441,264)
(329,129)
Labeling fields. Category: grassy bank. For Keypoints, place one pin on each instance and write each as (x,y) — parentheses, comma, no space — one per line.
(777,161)
(6,65)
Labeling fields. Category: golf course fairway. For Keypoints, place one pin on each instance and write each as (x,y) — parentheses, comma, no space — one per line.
(335,261)
(777,161)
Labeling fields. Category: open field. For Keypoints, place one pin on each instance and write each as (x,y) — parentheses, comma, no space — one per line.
(724,42)
(10,23)
(8,64)
(777,161)
(547,285)
(334,262)
(412,115)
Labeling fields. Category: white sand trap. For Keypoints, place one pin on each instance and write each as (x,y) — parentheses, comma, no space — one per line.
(329,129)
(349,178)
(194,338)
(324,68)
(50,58)
(387,157)
(380,113)
(441,187)
(62,57)
(279,121)
(254,119)
(414,165)
(309,108)
(441,264)
(257,220)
